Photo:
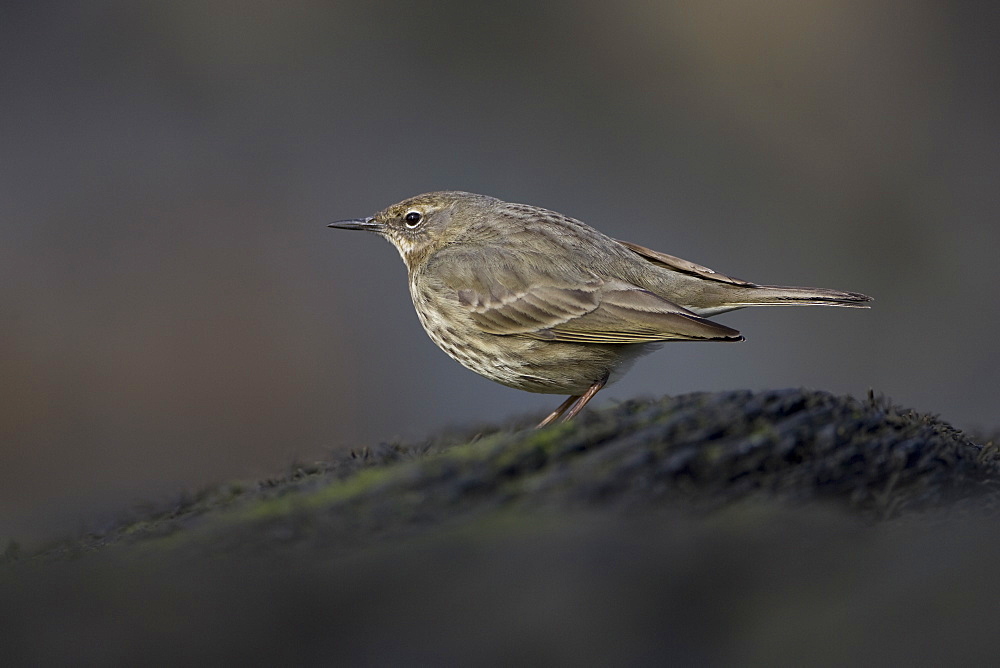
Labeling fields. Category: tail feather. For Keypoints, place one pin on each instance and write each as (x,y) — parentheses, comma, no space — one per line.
(760,295)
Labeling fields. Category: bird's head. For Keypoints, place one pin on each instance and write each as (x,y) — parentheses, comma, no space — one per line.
(420,225)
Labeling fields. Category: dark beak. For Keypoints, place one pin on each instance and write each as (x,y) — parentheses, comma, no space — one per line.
(369,224)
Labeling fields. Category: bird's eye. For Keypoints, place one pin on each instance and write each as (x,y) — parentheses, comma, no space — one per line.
(413,219)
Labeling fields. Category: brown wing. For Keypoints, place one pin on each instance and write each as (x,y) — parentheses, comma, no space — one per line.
(566,303)
(628,314)
(681,265)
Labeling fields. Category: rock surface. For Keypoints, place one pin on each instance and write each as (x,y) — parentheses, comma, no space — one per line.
(751,527)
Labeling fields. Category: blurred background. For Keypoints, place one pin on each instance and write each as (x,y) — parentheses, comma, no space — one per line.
(174,312)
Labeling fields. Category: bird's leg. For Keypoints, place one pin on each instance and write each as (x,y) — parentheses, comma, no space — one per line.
(554,415)
(584,398)
(573,404)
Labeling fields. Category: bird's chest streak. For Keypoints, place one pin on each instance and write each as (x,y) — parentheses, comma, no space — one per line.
(453,332)
(516,361)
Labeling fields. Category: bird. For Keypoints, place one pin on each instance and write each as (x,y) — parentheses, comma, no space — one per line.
(539,301)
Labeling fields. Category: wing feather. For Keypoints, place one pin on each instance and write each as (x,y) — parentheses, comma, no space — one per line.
(568,303)
(681,265)
(628,314)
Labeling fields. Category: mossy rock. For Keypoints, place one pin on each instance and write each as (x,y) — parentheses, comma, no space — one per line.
(701,452)
(754,528)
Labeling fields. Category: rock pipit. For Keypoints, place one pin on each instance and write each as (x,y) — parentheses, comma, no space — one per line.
(541,302)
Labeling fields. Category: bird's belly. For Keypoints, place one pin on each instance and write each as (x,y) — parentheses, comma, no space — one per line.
(548,367)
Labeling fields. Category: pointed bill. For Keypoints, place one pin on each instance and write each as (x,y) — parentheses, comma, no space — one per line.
(369,224)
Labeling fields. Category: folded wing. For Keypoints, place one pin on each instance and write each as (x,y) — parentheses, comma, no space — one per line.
(573,306)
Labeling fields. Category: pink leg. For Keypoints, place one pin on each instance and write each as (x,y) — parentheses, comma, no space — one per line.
(582,401)
(554,415)
(573,405)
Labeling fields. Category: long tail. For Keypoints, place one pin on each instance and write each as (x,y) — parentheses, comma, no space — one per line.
(769,295)
(730,298)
